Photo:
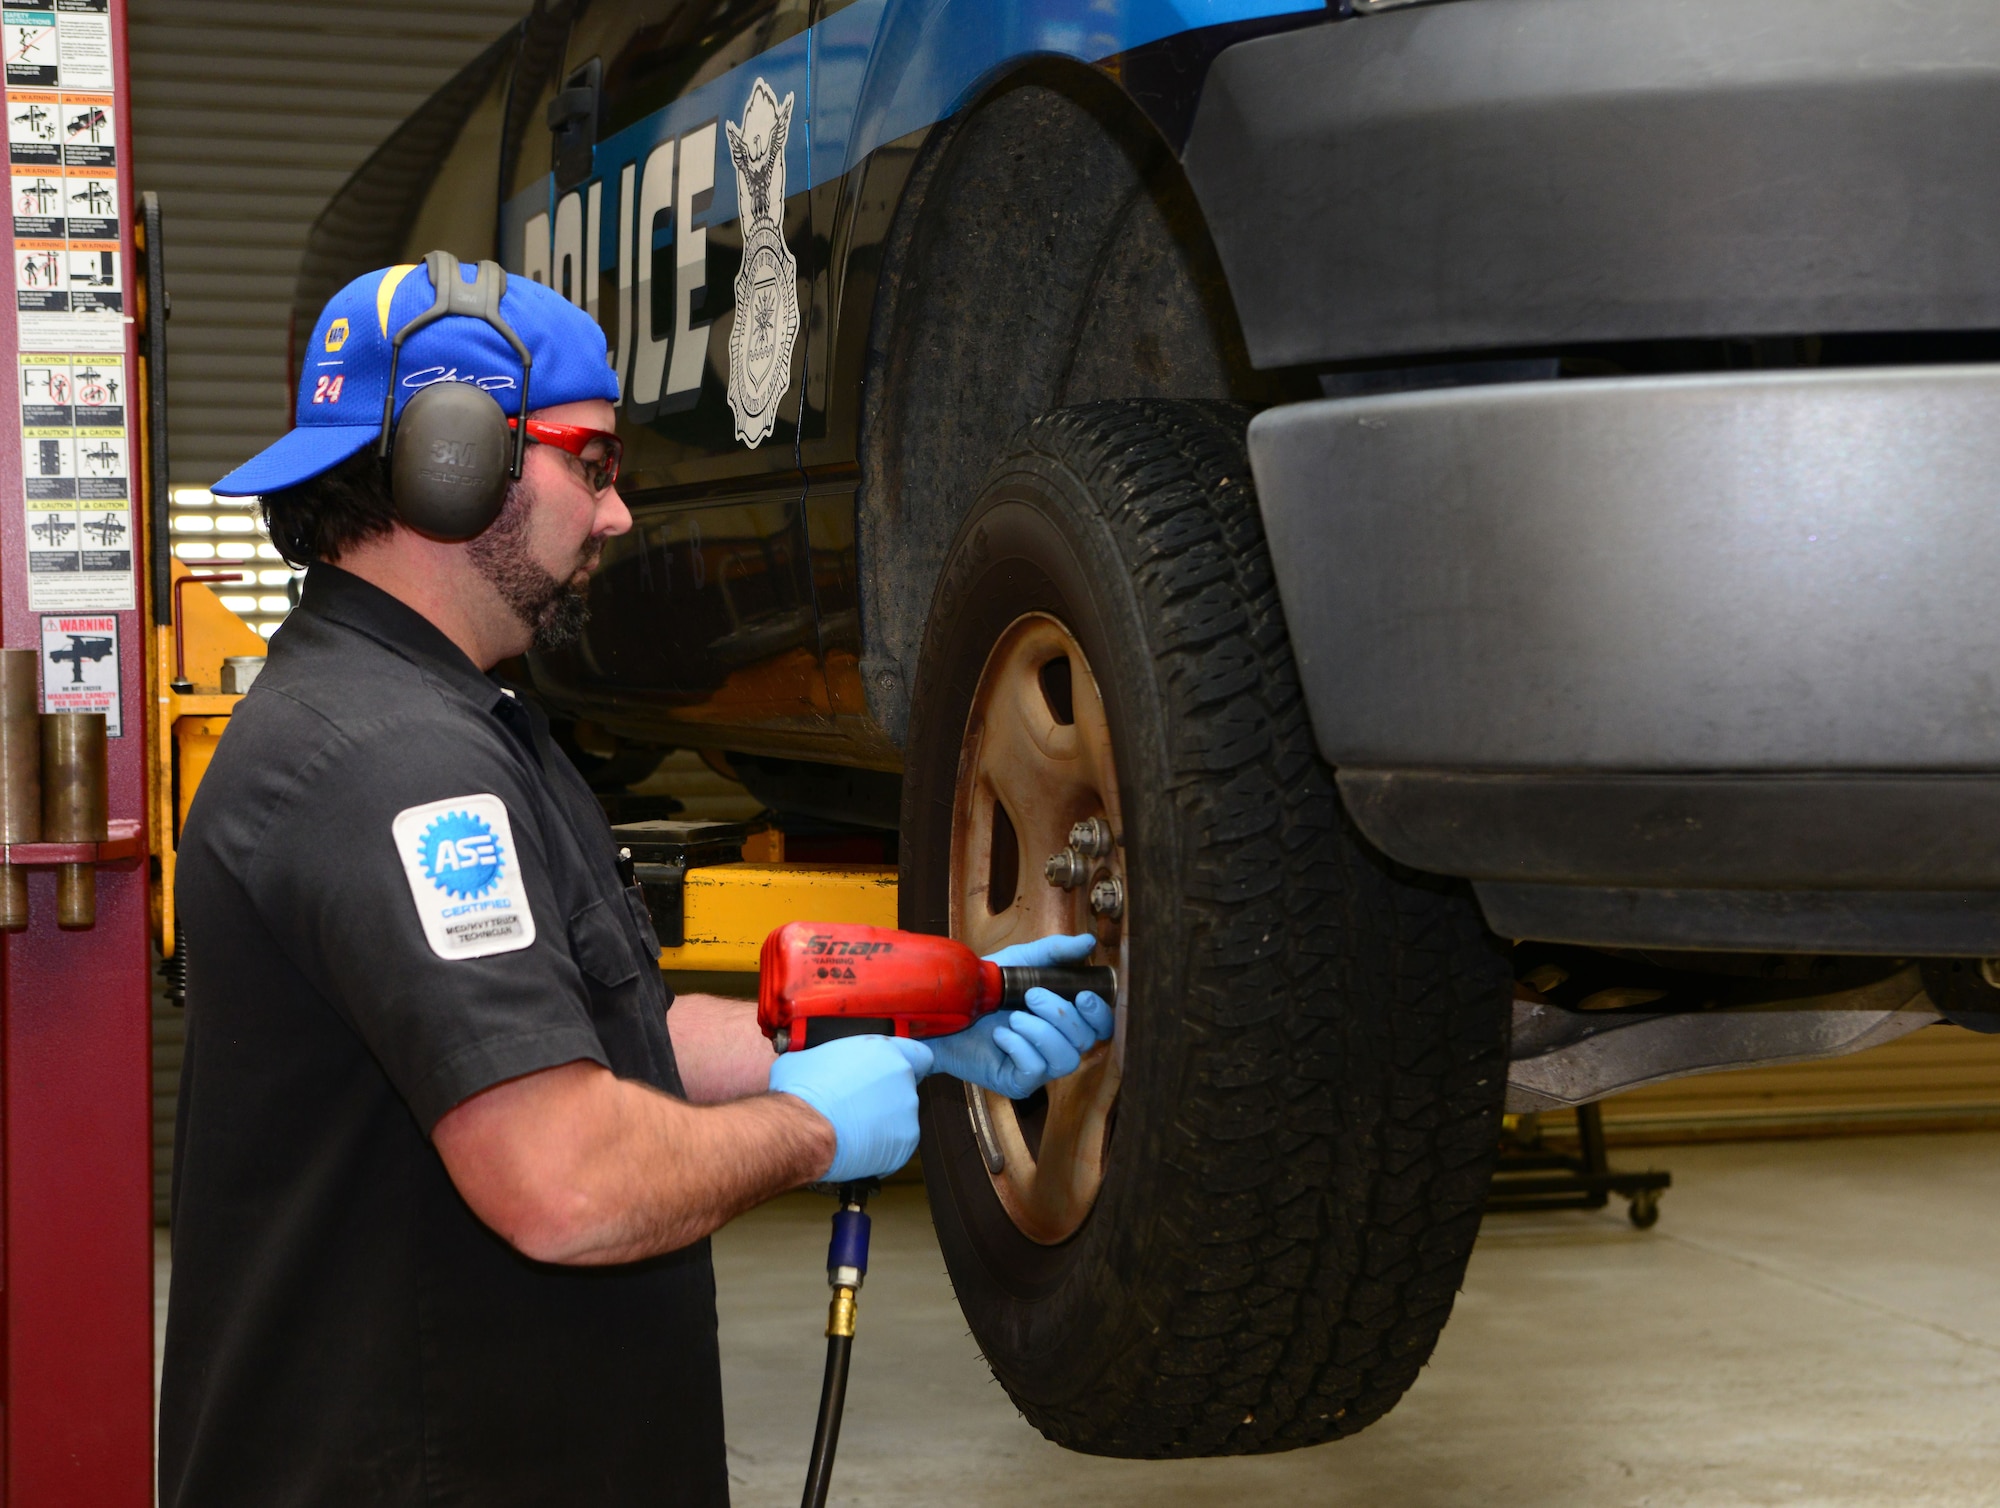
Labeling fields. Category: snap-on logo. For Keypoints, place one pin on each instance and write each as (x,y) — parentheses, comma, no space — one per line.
(831,948)
(460,855)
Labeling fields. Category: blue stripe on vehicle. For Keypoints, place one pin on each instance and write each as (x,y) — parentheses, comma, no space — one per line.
(878,70)
(890,67)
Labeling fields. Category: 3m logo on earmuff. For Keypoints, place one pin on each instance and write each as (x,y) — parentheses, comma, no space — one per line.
(336,334)
(455,452)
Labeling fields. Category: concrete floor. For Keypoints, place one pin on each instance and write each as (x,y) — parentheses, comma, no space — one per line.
(1810,1323)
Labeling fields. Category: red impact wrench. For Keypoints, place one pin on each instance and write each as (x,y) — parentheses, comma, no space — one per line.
(818,982)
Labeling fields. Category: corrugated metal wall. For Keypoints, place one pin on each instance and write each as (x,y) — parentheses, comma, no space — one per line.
(247,115)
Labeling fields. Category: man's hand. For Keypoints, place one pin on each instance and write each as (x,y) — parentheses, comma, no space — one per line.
(1014,1053)
(866,1087)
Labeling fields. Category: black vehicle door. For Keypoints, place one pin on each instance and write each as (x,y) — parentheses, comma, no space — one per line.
(655,174)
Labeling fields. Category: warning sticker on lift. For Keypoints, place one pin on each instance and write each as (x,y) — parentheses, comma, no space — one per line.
(39,268)
(80,665)
(86,131)
(84,27)
(62,121)
(67,255)
(34,130)
(90,203)
(92,274)
(33,52)
(69,273)
(68,45)
(76,480)
(68,258)
(38,204)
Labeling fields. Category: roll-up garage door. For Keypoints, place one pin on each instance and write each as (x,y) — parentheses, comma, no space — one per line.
(247,115)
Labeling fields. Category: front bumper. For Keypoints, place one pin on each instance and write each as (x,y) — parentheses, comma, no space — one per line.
(1536,173)
(1691,661)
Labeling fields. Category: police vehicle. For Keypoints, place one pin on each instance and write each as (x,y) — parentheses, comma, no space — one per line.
(1458,537)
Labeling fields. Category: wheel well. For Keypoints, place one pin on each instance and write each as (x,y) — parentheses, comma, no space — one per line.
(1048,251)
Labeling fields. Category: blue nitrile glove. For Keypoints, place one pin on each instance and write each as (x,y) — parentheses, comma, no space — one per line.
(867,1088)
(1016,1052)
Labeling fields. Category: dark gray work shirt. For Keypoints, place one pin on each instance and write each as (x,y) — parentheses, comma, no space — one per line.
(396,892)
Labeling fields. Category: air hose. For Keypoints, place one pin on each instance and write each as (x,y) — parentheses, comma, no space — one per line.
(846,1266)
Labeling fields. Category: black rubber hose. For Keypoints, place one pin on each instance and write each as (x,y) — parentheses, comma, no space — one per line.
(832,1398)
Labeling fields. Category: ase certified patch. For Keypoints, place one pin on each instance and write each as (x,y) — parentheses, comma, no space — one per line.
(465,876)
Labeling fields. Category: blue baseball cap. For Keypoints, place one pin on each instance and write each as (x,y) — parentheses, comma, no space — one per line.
(346,367)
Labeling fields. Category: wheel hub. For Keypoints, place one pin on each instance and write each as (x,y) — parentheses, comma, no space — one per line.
(1037,847)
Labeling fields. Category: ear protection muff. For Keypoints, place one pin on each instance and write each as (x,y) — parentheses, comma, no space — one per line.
(448,470)
(451,454)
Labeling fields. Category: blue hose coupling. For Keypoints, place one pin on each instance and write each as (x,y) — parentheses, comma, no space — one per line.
(847,1257)
(847,1254)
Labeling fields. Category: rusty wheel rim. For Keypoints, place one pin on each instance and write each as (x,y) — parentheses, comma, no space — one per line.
(1036,760)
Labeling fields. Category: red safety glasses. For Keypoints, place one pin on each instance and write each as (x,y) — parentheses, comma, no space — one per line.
(599,449)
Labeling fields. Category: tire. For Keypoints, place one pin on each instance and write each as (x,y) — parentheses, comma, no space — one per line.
(1313,1043)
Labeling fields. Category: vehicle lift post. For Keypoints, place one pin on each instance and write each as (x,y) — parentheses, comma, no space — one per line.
(76,1205)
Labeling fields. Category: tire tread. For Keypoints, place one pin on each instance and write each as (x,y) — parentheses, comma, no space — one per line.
(1339,1122)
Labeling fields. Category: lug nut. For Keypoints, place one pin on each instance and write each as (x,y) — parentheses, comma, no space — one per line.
(1092,838)
(1107,898)
(1066,870)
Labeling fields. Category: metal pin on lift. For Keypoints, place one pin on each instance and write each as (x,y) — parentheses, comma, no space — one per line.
(54,790)
(75,799)
(20,777)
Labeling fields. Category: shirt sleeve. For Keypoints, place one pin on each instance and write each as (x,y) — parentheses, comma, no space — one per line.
(394,872)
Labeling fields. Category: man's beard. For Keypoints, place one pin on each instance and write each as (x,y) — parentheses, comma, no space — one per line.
(554,610)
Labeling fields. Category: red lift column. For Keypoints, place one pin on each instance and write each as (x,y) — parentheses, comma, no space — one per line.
(76,1378)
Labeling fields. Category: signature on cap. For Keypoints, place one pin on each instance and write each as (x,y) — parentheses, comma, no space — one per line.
(429,375)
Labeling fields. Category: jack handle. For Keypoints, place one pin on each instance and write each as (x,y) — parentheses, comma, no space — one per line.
(180,682)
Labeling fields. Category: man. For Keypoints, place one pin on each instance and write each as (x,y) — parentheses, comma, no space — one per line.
(445,1162)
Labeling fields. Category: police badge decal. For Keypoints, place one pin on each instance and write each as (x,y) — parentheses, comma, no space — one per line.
(767,286)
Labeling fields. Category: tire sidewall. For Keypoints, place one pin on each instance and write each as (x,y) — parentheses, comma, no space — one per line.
(1037,542)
